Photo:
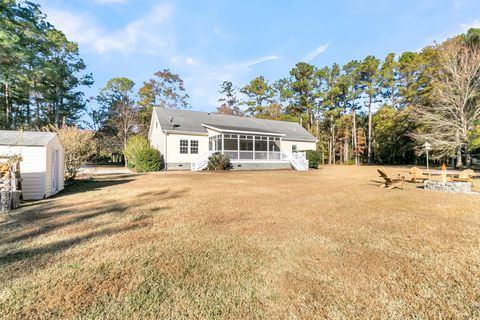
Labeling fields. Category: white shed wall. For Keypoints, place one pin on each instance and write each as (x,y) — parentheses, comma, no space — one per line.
(32,169)
(51,147)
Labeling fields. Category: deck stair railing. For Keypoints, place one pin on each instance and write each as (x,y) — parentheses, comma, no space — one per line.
(202,162)
(298,160)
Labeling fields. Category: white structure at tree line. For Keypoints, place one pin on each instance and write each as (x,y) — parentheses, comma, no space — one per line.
(187,138)
(42,165)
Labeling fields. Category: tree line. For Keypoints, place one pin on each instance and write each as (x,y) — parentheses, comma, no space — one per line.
(41,72)
(380,111)
(367,111)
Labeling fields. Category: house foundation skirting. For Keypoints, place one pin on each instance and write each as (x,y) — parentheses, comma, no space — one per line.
(239,165)
(251,165)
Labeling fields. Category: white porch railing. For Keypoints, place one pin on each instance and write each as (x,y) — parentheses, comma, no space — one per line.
(298,160)
(202,162)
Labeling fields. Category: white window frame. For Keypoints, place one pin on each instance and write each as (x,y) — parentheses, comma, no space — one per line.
(183,146)
(194,149)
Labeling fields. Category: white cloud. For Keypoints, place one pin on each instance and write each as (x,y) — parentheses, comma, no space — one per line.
(474,24)
(440,37)
(77,27)
(149,34)
(251,63)
(192,62)
(203,80)
(312,54)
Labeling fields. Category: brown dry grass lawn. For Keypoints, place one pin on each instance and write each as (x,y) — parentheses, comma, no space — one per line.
(327,243)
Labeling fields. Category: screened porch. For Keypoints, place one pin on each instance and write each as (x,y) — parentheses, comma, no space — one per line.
(247,147)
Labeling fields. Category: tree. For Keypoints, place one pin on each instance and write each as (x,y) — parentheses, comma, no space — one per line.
(117,98)
(388,80)
(392,128)
(165,90)
(369,77)
(447,122)
(229,101)
(303,86)
(78,145)
(330,104)
(40,70)
(354,89)
(258,92)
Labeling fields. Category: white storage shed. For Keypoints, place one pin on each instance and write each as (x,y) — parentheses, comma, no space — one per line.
(42,168)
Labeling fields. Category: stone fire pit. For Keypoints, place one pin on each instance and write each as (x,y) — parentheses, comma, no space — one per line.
(449,186)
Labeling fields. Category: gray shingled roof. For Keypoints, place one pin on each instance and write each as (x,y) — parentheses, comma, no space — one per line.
(25,138)
(191,121)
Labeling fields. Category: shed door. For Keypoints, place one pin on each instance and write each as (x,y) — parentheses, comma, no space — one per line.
(55,171)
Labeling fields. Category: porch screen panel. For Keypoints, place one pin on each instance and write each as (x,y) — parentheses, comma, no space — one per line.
(274,145)
(246,147)
(231,142)
(261,148)
(274,148)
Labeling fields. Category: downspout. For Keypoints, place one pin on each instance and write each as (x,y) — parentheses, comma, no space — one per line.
(165,150)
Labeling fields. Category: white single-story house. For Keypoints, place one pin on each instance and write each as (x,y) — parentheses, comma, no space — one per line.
(187,138)
(42,167)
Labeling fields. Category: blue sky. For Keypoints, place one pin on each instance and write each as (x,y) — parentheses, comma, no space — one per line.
(207,42)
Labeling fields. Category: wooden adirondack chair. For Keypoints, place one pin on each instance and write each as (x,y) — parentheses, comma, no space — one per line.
(465,176)
(417,174)
(391,183)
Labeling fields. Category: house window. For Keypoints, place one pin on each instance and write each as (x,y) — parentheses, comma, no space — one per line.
(183,146)
(194,146)
(294,148)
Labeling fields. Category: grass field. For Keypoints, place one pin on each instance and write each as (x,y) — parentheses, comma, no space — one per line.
(326,243)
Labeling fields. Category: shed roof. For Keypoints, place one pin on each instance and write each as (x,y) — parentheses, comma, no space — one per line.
(194,121)
(25,138)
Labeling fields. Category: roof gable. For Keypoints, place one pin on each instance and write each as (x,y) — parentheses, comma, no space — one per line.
(25,138)
(194,121)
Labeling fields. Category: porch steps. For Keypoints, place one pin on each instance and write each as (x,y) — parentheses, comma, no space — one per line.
(298,160)
(201,163)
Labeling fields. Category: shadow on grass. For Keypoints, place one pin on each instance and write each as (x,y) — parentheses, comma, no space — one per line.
(49,218)
(59,246)
(94,183)
(50,227)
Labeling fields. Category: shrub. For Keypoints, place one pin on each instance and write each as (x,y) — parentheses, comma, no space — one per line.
(147,160)
(218,161)
(79,146)
(314,158)
(134,145)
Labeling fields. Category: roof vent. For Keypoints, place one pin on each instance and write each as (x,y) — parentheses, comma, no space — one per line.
(209,113)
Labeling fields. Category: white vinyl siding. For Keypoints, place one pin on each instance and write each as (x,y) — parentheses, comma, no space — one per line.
(156,135)
(173,154)
(288,145)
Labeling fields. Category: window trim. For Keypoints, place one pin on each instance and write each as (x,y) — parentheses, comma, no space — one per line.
(183,148)
(192,147)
